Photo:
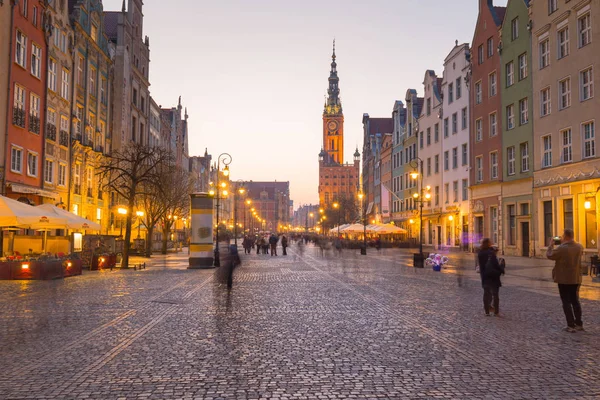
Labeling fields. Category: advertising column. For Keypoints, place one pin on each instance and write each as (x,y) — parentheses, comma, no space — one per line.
(201,231)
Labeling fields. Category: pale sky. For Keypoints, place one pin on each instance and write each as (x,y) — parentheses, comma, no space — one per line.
(253,73)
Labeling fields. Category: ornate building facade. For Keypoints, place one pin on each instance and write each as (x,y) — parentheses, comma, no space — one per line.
(336,179)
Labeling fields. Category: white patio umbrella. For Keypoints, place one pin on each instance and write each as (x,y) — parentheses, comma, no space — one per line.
(15,213)
(389,228)
(72,221)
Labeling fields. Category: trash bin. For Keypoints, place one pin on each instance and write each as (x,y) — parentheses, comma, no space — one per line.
(418,260)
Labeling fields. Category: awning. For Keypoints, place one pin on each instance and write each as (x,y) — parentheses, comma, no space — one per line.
(369,208)
(19,188)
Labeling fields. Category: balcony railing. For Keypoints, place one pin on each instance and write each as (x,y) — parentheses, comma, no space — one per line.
(77,188)
(63,138)
(51,132)
(34,124)
(19,117)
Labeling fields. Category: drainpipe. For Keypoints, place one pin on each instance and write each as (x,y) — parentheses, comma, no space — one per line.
(70,132)
(8,87)
(45,121)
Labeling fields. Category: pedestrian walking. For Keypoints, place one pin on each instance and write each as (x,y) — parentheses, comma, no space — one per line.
(246,244)
(490,270)
(273,242)
(259,242)
(284,244)
(567,274)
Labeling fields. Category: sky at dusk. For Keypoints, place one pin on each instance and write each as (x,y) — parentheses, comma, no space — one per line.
(253,73)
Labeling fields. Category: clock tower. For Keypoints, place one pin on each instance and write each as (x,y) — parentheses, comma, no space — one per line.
(333,118)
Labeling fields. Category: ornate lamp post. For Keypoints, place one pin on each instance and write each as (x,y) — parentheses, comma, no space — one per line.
(337,207)
(421,197)
(226,159)
(241,190)
(363,249)
(139,214)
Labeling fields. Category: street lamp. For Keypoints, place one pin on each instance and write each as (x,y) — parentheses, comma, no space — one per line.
(363,249)
(241,190)
(312,220)
(421,197)
(122,211)
(226,159)
(337,207)
(139,214)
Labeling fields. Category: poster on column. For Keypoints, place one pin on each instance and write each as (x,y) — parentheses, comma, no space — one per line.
(201,231)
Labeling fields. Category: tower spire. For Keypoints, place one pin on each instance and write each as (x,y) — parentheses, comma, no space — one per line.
(333,105)
(123,8)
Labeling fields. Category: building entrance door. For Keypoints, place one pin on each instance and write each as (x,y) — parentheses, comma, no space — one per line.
(478,231)
(525,239)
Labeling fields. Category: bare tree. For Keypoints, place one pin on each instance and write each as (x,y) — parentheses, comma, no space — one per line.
(153,210)
(175,188)
(127,172)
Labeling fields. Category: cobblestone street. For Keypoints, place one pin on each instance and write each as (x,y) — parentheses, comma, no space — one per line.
(307,326)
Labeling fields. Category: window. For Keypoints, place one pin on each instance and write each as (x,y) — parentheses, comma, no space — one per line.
(64,124)
(586,79)
(19,98)
(133,128)
(446,193)
(80,66)
(568,213)
(544,53)
(480,54)
(523,66)
(458,88)
(545,105)
(446,160)
(510,74)
(494,224)
(510,116)
(490,47)
(547,151)
(36,61)
(450,93)
(436,132)
(564,93)
(523,111)
(52,75)
(510,158)
(93,87)
(436,163)
(455,158)
(103,90)
(135,95)
(94,33)
(89,177)
(21,50)
(524,208)
(446,128)
(464,118)
(421,140)
(524,157)
(479,169)
(478,92)
(589,140)
(492,84)
(584,27)
(437,195)
(143,104)
(56,35)
(548,227)
(429,166)
(552,6)
(16,160)
(454,123)
(79,120)
(51,116)
(478,130)
(514,28)
(25,8)
(428,136)
(465,154)
(567,142)
(34,113)
(32,164)
(512,226)
(77,178)
(49,172)
(34,20)
(64,84)
(455,191)
(494,165)
(465,190)
(493,124)
(562,38)
(63,41)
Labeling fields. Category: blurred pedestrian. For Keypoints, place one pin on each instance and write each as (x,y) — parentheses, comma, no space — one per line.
(273,243)
(490,269)
(284,244)
(567,274)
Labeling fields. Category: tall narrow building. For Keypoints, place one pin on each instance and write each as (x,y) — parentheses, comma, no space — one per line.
(337,180)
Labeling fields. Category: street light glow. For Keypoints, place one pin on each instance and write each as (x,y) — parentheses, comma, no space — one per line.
(335,205)
(415,195)
(122,210)
(226,170)
(414,175)
(139,213)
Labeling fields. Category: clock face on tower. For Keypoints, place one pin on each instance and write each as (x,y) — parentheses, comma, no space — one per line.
(332,126)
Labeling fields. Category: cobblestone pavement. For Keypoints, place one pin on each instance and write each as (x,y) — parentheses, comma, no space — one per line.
(307,326)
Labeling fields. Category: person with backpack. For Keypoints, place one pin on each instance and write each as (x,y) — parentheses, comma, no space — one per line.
(490,269)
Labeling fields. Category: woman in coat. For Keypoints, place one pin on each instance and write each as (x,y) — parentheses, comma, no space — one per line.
(490,271)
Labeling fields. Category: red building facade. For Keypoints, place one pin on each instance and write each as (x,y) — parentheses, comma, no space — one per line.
(24,144)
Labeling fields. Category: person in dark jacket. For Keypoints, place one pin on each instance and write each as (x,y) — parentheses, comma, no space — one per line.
(284,244)
(490,271)
(273,242)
